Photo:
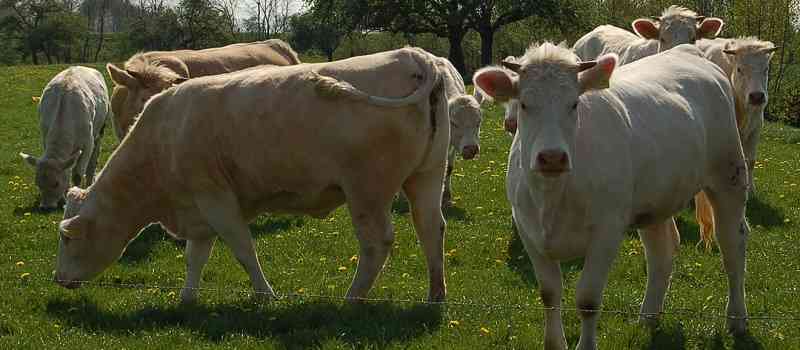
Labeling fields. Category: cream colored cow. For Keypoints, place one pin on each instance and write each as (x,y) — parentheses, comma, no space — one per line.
(148,73)
(301,139)
(677,25)
(746,62)
(596,153)
(73,110)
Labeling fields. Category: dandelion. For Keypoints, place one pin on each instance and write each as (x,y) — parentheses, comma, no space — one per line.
(453,323)
(171,294)
(27,213)
(406,275)
(24,275)
(354,258)
(342,268)
(20,263)
(485,331)
(301,291)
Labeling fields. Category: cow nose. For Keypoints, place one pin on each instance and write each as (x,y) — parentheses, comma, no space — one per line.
(552,161)
(511,125)
(470,151)
(757,98)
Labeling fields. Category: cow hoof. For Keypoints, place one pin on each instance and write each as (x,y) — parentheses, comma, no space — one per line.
(737,326)
(188,297)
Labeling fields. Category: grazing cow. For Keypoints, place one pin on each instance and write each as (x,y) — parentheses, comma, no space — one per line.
(677,25)
(146,74)
(746,62)
(465,121)
(301,139)
(72,115)
(596,154)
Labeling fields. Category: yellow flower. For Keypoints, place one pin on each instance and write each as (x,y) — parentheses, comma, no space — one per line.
(453,323)
(20,263)
(354,258)
(24,274)
(301,291)
(342,268)
(485,331)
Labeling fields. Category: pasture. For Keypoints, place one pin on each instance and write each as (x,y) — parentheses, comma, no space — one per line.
(493,302)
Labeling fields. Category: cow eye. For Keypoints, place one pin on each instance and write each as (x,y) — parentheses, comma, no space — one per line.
(574,106)
(739,70)
(523,106)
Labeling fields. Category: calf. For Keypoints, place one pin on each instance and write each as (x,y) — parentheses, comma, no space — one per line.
(746,62)
(301,139)
(595,155)
(72,113)
(677,25)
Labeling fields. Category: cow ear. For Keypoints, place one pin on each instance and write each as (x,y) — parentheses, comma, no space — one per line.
(597,77)
(73,228)
(69,162)
(709,28)
(645,28)
(497,83)
(31,160)
(121,77)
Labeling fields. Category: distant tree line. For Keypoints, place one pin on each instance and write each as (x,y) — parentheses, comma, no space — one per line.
(471,33)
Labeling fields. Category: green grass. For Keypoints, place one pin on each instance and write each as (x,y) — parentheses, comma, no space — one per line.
(485,265)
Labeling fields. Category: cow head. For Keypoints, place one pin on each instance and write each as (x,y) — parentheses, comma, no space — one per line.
(465,125)
(142,78)
(676,26)
(750,69)
(52,178)
(86,243)
(548,85)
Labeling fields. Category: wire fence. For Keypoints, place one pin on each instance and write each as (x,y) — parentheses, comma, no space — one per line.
(632,310)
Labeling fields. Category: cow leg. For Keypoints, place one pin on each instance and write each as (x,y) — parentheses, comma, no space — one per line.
(222,213)
(373,227)
(446,195)
(92,165)
(197,253)
(732,233)
(424,192)
(659,248)
(79,169)
(548,274)
(596,267)
(750,147)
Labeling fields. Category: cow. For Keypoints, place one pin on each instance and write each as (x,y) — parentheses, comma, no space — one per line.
(148,73)
(746,63)
(72,114)
(595,154)
(465,121)
(677,25)
(300,139)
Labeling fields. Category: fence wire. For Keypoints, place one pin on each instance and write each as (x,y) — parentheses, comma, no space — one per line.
(632,311)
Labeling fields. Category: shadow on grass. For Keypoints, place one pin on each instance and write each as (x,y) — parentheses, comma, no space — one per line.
(741,342)
(519,262)
(689,230)
(270,224)
(762,213)
(141,247)
(667,337)
(294,324)
(451,212)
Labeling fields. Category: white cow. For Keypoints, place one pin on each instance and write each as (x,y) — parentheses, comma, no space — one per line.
(465,121)
(303,139)
(746,62)
(596,154)
(677,25)
(72,115)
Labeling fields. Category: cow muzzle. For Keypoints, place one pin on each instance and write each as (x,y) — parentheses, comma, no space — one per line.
(552,163)
(757,98)
(510,125)
(470,151)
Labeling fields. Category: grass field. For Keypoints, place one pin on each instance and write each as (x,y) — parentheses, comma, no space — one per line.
(487,271)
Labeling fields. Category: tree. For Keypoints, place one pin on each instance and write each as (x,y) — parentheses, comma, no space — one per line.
(203,24)
(487,17)
(43,26)
(326,23)
(268,18)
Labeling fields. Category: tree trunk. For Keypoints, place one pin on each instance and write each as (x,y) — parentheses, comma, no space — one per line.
(457,51)
(101,35)
(487,44)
